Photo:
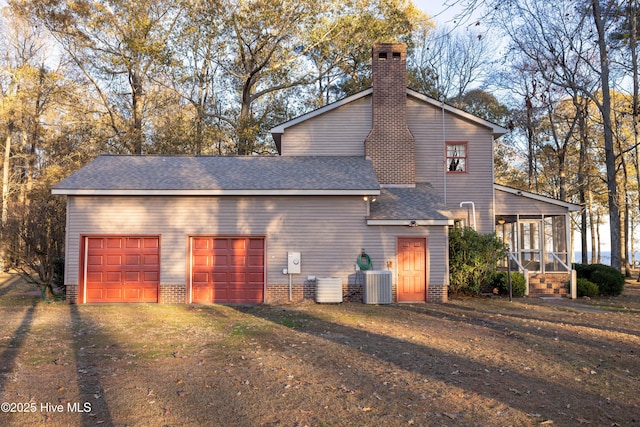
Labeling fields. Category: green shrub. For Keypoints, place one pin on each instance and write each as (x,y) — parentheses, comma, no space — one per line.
(586,288)
(472,259)
(609,280)
(584,270)
(501,282)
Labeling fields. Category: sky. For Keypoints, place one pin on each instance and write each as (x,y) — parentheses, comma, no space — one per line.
(439,10)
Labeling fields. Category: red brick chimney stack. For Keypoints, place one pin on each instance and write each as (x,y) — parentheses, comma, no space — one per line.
(390,144)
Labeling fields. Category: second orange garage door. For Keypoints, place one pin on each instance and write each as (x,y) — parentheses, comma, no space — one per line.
(227,270)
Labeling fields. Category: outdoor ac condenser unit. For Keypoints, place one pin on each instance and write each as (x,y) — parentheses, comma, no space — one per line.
(377,287)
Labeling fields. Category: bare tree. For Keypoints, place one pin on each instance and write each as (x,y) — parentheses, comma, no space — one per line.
(448,63)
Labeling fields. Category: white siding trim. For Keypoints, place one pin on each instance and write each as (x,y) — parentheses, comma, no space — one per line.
(408,222)
(213,192)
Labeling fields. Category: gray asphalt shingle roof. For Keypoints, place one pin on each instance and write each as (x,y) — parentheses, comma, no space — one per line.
(109,174)
(409,203)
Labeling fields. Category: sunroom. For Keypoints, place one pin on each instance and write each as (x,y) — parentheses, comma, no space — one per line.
(537,231)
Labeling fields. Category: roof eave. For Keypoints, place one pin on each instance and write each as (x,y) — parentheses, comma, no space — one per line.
(572,207)
(410,222)
(213,192)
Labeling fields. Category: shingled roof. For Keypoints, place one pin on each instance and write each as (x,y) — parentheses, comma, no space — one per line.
(419,205)
(222,175)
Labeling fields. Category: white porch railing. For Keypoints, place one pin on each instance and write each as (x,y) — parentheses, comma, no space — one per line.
(513,256)
(560,261)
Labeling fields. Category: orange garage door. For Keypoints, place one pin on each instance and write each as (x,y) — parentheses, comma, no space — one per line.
(227,270)
(122,269)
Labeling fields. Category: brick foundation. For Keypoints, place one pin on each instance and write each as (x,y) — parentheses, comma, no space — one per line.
(72,294)
(279,293)
(172,294)
(549,284)
(437,293)
(169,294)
(352,292)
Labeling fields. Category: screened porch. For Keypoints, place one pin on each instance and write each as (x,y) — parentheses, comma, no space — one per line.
(537,232)
(536,243)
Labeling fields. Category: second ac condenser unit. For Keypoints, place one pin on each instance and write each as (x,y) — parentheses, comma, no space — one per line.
(329,289)
(377,287)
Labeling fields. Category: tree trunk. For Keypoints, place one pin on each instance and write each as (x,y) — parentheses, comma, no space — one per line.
(597,247)
(137,137)
(530,143)
(5,178)
(583,180)
(244,128)
(633,48)
(625,212)
(6,164)
(610,156)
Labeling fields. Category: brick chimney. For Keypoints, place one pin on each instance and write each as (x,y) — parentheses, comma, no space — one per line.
(390,144)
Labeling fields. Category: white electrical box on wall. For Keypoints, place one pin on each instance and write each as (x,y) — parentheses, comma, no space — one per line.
(293,263)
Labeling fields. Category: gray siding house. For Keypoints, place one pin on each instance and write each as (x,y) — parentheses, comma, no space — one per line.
(373,182)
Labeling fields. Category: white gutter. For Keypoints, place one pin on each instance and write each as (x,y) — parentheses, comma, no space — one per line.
(212,192)
(473,212)
(410,223)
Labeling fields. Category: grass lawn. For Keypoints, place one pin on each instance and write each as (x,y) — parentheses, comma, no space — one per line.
(470,362)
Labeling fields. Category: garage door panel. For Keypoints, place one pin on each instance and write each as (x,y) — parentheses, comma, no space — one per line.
(113,243)
(96,276)
(255,277)
(257,244)
(150,294)
(113,260)
(235,270)
(132,276)
(132,293)
(202,294)
(219,277)
(237,279)
(151,277)
(95,243)
(256,261)
(151,260)
(200,278)
(122,269)
(200,261)
(113,294)
(133,243)
(95,260)
(201,244)
(219,260)
(219,243)
(113,277)
(151,243)
(95,294)
(133,260)
(238,261)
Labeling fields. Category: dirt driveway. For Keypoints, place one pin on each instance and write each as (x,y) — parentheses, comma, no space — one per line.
(472,362)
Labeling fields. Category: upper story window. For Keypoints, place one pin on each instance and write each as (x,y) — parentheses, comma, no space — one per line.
(457,157)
